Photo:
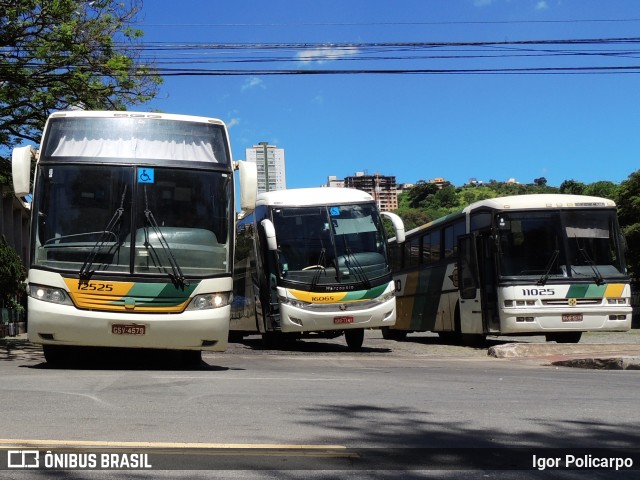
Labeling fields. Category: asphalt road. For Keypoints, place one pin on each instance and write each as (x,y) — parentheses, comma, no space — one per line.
(314,406)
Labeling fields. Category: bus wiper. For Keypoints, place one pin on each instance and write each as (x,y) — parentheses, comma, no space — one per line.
(352,261)
(318,271)
(543,279)
(85,271)
(597,276)
(177,277)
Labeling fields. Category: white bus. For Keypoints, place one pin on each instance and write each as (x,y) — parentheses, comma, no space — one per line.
(548,265)
(313,261)
(132,232)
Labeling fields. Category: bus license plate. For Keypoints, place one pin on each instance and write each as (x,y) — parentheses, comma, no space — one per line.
(123,329)
(342,320)
(571,317)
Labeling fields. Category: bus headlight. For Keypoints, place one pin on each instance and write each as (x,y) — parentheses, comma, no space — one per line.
(293,302)
(49,294)
(210,300)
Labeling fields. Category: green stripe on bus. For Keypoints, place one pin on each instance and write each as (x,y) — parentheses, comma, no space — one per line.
(157,294)
(586,291)
(366,294)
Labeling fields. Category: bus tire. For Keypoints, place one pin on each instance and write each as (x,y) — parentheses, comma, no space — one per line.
(354,338)
(191,358)
(564,337)
(389,333)
(56,355)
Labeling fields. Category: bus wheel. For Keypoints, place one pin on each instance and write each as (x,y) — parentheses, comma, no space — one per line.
(564,337)
(354,338)
(393,334)
(190,358)
(56,354)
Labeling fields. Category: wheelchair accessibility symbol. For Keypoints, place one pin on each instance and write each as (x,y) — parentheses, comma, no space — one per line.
(145,175)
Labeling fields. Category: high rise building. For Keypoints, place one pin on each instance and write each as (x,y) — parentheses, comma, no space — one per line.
(270,164)
(382,188)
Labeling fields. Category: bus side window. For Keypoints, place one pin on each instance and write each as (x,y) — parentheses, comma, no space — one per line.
(412,252)
(435,245)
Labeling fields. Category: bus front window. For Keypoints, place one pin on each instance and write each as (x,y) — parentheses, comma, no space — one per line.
(530,244)
(592,244)
(330,244)
(182,218)
(82,211)
(85,213)
(570,243)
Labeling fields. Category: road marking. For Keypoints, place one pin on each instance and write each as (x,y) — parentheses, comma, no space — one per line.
(115,444)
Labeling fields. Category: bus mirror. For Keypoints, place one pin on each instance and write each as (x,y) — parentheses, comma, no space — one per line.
(270,234)
(248,184)
(21,170)
(398,225)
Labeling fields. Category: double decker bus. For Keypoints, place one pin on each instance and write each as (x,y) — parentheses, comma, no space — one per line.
(313,261)
(132,232)
(548,265)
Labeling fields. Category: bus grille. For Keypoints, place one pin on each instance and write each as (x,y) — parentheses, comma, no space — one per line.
(554,302)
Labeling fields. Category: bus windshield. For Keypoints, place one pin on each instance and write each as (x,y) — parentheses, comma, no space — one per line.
(335,244)
(560,244)
(105,218)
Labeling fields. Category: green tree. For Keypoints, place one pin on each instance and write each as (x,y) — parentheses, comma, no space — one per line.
(420,192)
(572,187)
(603,188)
(629,217)
(61,54)
(12,275)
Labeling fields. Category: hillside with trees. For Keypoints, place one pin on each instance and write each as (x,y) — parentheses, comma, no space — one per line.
(426,202)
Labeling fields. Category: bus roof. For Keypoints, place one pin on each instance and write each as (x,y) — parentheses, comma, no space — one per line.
(127,114)
(521,202)
(304,197)
(538,201)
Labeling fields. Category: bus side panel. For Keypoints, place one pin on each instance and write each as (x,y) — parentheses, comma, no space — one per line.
(243,308)
(418,298)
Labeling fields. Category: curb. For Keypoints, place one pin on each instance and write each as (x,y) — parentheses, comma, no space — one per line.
(619,363)
(587,355)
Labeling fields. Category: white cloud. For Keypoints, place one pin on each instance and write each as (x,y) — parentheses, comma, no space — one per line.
(542,5)
(253,82)
(325,54)
(233,122)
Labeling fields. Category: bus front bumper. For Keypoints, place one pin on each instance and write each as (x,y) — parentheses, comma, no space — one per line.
(295,319)
(54,324)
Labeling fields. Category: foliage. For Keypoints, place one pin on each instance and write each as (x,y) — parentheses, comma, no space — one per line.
(66,54)
(629,215)
(12,275)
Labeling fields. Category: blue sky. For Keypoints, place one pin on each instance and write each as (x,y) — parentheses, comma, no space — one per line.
(560,126)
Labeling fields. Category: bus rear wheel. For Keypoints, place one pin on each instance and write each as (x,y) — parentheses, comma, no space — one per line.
(354,338)
(564,337)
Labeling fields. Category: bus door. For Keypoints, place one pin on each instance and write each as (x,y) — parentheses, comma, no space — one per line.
(488,282)
(476,285)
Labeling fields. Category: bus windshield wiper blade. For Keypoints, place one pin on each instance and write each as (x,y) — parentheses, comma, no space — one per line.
(352,261)
(597,276)
(318,271)
(543,279)
(177,276)
(85,271)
